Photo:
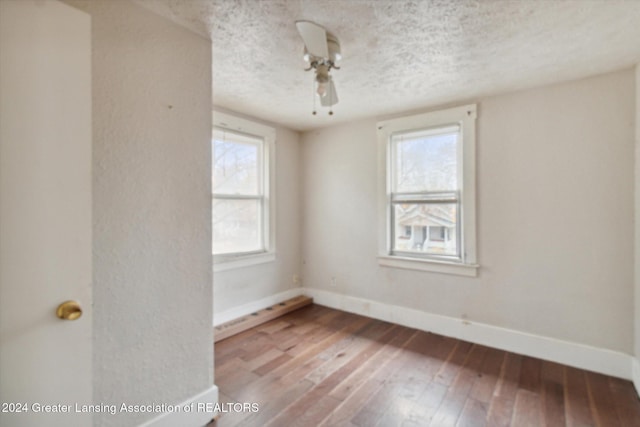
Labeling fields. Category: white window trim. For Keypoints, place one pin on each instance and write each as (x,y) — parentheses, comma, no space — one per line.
(225,262)
(465,117)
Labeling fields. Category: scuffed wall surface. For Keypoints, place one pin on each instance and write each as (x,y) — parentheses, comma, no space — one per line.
(152,223)
(555,214)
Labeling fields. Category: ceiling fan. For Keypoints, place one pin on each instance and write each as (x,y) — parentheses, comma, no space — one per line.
(321,52)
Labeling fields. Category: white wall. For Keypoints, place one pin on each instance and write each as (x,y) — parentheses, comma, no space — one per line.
(234,288)
(152,224)
(555,210)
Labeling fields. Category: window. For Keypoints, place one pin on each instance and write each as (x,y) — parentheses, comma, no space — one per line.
(242,196)
(429,191)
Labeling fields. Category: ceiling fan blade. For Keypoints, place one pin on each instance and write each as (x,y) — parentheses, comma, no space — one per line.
(314,37)
(331,97)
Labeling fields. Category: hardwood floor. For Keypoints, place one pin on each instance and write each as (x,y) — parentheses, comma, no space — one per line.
(322,367)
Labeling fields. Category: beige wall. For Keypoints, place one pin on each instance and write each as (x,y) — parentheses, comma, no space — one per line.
(555,210)
(637,232)
(237,287)
(151,204)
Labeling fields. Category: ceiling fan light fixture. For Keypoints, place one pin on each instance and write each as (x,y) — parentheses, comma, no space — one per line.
(322,73)
(322,89)
(321,53)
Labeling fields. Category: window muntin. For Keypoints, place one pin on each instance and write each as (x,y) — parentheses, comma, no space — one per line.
(239,199)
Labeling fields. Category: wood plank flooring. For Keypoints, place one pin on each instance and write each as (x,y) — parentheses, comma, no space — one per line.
(321,367)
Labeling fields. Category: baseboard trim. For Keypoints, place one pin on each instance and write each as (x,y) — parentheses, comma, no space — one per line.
(243,310)
(190,417)
(636,374)
(569,353)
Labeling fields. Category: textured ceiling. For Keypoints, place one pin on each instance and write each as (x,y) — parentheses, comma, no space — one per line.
(403,55)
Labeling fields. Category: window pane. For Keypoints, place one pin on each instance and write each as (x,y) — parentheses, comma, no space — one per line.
(236,164)
(426,163)
(236,226)
(427,228)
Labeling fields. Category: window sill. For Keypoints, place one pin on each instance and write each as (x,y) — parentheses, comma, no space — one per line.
(469,270)
(222,263)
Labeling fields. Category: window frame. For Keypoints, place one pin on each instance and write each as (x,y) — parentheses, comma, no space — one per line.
(237,125)
(463,117)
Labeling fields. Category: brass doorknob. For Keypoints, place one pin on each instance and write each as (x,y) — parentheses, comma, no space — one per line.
(69,310)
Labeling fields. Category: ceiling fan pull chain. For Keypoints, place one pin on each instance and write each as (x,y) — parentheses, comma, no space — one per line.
(313,95)
(331,98)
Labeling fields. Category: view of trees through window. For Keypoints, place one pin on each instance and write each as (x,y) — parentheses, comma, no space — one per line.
(425,188)
(426,163)
(238,198)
